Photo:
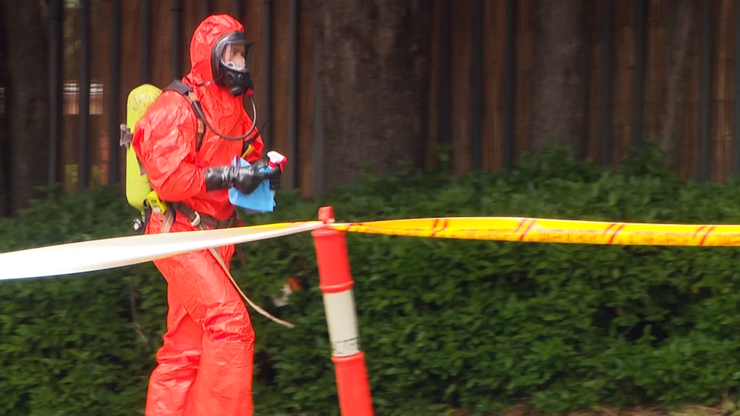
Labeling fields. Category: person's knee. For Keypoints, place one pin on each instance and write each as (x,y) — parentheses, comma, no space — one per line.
(171,367)
(230,323)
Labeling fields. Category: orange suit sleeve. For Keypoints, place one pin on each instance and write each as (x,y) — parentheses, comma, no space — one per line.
(164,141)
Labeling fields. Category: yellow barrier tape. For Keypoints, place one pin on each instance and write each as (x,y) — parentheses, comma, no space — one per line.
(116,252)
(553,231)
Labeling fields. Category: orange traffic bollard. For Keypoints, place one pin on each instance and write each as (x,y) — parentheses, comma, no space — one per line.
(353,386)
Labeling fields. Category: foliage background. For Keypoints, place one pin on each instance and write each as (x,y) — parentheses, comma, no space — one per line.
(444,323)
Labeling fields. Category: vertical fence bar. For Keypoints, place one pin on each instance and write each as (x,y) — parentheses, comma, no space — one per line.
(509,80)
(317,154)
(5,157)
(704,90)
(237,9)
(205,8)
(336,285)
(84,109)
(639,81)
(176,35)
(114,92)
(445,71)
(291,140)
(476,79)
(672,12)
(607,62)
(146,34)
(736,132)
(56,98)
(267,71)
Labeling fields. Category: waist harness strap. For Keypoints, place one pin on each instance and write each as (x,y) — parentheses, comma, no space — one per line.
(196,218)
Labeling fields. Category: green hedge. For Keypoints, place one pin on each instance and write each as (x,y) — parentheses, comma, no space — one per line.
(444,323)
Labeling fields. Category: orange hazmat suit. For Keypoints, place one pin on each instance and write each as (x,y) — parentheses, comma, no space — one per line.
(205,364)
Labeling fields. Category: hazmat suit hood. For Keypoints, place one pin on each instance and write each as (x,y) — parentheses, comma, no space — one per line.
(222,110)
(202,44)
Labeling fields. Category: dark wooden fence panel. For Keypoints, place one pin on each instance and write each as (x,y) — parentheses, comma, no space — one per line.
(304,165)
(480,89)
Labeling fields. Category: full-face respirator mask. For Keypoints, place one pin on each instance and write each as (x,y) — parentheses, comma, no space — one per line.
(230,64)
(229,59)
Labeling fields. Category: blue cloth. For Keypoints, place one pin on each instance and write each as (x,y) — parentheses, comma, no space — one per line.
(261,200)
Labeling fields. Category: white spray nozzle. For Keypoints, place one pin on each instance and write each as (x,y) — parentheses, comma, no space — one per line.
(276,159)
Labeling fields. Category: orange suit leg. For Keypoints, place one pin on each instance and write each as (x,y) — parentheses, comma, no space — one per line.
(178,361)
(221,384)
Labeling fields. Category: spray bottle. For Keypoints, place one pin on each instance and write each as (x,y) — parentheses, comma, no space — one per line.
(276,159)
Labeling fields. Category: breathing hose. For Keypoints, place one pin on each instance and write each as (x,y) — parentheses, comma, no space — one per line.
(199,109)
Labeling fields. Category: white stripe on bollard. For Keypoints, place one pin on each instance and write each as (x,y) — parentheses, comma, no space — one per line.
(342,323)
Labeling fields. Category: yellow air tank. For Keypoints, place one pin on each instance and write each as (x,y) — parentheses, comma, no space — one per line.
(138,187)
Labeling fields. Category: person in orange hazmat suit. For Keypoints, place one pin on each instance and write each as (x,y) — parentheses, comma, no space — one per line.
(205,364)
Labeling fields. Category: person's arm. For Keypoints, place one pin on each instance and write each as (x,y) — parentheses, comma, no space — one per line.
(164,142)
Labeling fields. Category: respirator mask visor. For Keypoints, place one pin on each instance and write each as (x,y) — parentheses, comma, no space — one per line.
(230,63)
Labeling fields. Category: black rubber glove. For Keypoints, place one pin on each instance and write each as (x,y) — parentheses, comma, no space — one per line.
(275,176)
(244,179)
